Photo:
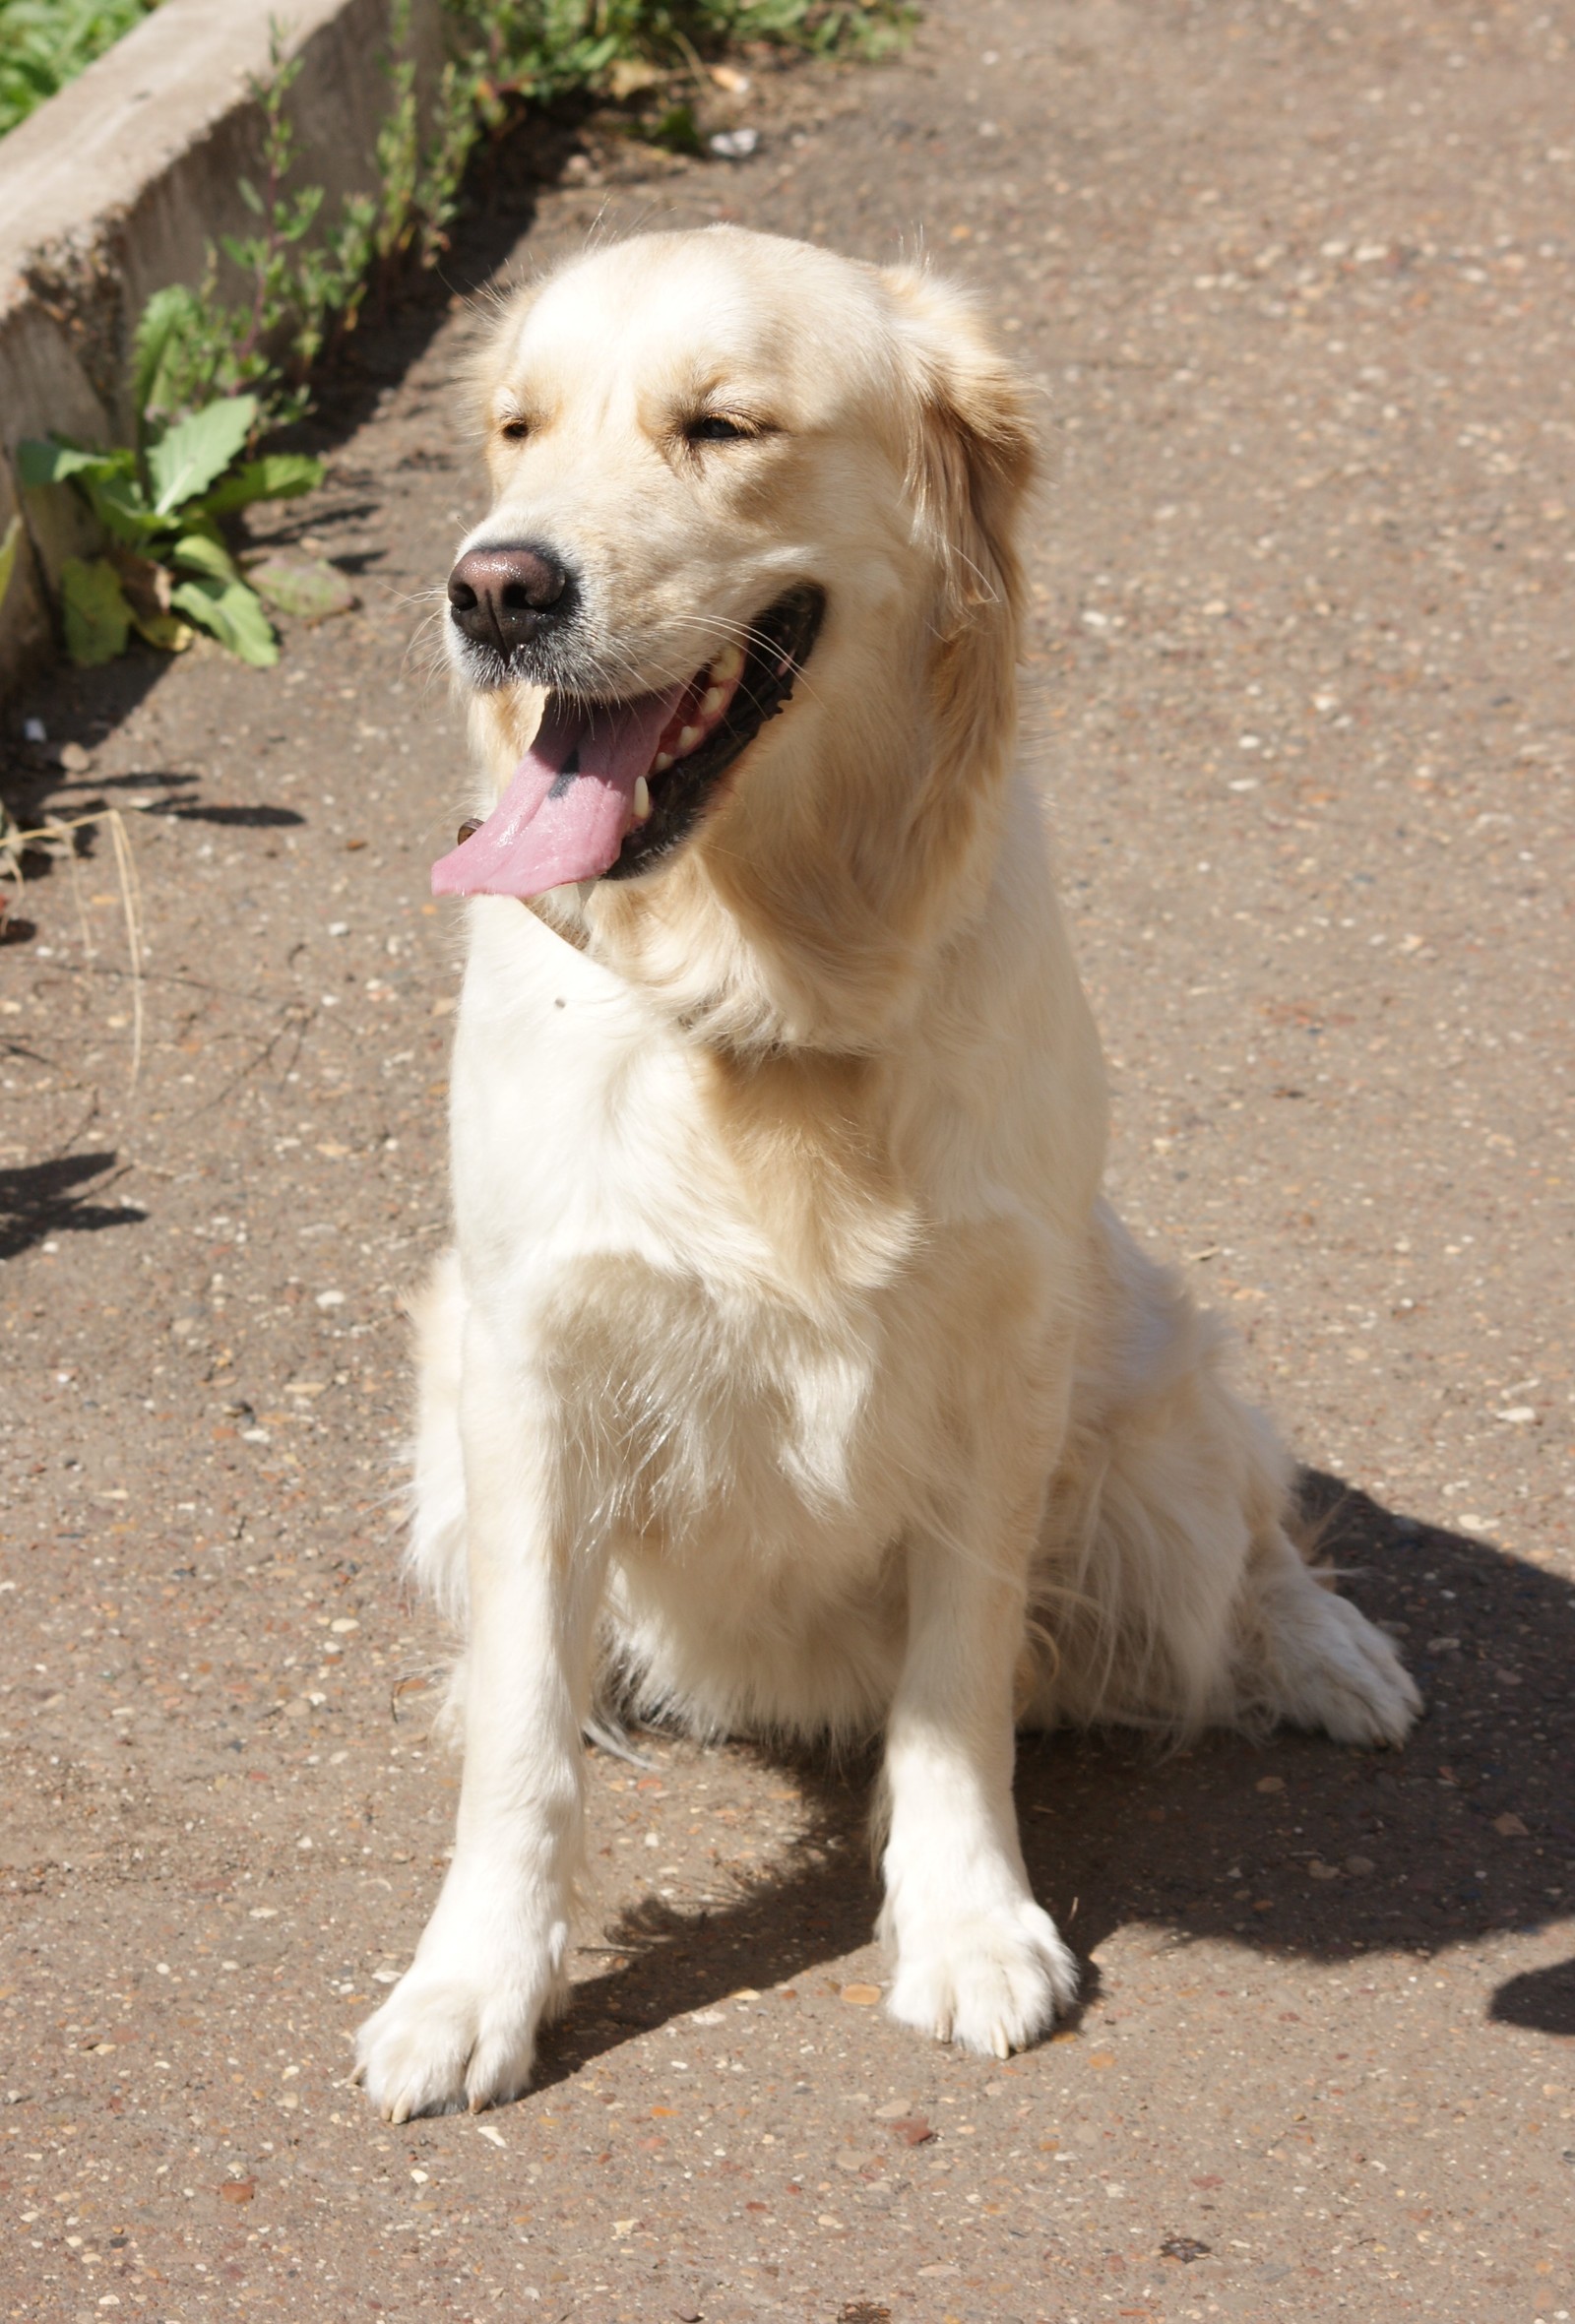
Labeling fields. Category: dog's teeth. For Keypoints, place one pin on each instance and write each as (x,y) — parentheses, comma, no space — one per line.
(642,799)
(711,702)
(661,762)
(727,666)
(687,739)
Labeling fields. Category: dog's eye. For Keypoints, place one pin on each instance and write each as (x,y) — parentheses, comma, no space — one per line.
(713,429)
(515,430)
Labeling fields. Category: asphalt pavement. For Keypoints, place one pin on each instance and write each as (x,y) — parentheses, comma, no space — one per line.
(1298,286)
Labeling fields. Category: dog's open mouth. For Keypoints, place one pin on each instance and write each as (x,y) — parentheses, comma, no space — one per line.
(607,787)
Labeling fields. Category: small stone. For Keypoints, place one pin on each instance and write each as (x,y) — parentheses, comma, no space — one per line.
(686,2313)
(1271,1784)
(237,2190)
(1360,1865)
(1322,1871)
(911,2130)
(861,1996)
(894,2110)
(847,2160)
(1510,1827)
(1185,2248)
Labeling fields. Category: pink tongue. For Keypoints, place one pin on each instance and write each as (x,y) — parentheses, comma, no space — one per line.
(569,802)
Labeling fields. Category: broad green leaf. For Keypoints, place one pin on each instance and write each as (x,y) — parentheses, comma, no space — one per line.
(186,461)
(121,507)
(278,476)
(98,616)
(53,464)
(195,552)
(233,614)
(8,555)
(165,317)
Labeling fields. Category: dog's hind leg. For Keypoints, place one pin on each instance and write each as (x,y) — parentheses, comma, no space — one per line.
(1306,1656)
(1170,1583)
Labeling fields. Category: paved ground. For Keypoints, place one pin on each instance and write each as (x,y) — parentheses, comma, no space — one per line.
(1299,284)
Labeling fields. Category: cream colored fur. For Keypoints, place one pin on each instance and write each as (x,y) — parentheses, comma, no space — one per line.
(790,1375)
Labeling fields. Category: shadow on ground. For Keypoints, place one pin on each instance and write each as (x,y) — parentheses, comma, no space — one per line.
(47,1198)
(1300,1846)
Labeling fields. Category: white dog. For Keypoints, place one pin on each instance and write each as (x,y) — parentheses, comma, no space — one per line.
(790,1375)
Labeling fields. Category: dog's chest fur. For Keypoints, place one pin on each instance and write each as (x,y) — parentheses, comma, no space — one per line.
(636,1218)
(731,1298)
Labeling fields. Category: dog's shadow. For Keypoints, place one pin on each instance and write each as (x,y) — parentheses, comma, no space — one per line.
(1299,1845)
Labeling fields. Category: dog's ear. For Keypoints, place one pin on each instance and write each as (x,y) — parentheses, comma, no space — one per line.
(971,455)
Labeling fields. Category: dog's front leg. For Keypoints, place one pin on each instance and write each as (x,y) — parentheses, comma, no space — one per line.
(460,2028)
(977,1962)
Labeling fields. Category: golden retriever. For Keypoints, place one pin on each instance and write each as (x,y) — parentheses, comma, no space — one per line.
(790,1375)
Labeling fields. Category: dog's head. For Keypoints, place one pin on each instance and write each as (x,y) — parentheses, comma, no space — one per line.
(739,629)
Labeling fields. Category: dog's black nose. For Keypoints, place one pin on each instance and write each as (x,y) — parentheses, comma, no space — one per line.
(503,596)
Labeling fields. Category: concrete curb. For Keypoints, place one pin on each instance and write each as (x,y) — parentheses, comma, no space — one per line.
(114,189)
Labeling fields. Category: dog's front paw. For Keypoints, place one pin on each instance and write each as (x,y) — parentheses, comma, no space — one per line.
(989,1982)
(445,2038)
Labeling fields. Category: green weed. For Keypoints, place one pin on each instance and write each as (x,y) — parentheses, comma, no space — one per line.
(168,568)
(44,43)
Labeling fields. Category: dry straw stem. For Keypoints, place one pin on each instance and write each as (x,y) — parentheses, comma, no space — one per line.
(60,830)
